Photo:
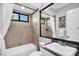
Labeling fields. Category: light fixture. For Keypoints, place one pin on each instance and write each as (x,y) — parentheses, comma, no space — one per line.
(22,7)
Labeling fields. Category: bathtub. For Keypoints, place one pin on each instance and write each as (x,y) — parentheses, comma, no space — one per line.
(23,50)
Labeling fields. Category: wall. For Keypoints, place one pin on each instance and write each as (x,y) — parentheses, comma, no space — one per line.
(35,28)
(62,12)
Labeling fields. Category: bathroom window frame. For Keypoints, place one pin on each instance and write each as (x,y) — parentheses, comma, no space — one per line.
(19,17)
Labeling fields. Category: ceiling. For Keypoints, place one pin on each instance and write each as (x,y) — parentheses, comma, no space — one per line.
(32,5)
(29,8)
(59,5)
(51,10)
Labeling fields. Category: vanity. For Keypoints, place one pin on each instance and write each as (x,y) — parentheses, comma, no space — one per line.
(60,50)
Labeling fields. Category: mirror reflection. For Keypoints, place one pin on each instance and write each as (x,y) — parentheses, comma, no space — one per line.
(56,21)
(47,25)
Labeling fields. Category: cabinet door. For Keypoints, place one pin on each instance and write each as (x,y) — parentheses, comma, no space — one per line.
(72,24)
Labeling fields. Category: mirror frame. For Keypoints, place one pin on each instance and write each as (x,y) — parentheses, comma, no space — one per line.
(59,39)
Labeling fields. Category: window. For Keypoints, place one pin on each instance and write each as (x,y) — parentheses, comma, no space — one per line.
(15,16)
(20,17)
(23,18)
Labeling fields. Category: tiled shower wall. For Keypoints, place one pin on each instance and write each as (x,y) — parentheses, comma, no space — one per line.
(19,33)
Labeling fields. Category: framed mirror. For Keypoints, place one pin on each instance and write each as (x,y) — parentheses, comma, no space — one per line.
(55,21)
